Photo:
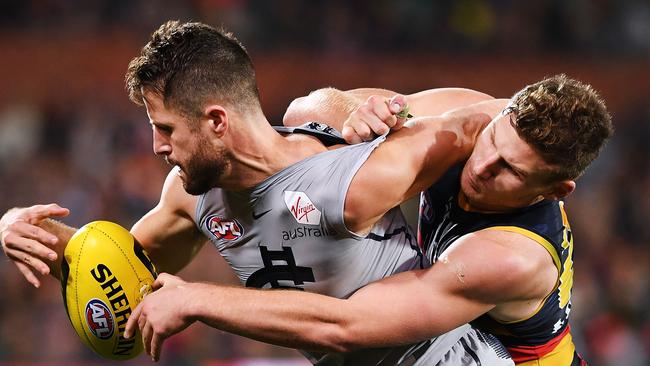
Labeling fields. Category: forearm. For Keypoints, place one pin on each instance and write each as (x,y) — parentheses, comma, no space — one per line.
(63,233)
(381,314)
(282,317)
(434,102)
(490,107)
(364,93)
(333,106)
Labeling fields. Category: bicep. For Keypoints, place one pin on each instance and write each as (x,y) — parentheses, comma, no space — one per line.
(457,289)
(170,241)
(168,232)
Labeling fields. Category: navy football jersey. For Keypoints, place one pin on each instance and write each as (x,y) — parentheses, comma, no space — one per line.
(544,337)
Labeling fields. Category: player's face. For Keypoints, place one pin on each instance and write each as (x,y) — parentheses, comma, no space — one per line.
(504,172)
(200,163)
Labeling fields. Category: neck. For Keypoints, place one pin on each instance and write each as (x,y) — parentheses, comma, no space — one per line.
(257,151)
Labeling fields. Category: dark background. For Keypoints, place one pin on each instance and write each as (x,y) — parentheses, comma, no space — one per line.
(68,133)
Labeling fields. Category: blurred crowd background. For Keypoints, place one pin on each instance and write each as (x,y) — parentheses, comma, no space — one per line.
(68,133)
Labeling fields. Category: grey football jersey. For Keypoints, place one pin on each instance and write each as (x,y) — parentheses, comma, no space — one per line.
(289,232)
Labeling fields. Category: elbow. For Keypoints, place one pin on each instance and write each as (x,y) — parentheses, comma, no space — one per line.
(328,105)
(295,114)
(307,108)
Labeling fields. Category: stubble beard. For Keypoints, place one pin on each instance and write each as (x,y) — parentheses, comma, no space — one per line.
(204,169)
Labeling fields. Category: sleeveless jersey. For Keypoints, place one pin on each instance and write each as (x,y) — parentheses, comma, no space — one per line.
(544,337)
(289,232)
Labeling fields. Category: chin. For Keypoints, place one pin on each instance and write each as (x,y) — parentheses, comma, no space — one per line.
(476,199)
(197,191)
(196,188)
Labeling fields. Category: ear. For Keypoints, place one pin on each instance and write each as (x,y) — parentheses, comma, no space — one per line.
(217,116)
(561,189)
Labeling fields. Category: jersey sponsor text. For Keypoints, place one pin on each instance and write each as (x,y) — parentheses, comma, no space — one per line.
(302,208)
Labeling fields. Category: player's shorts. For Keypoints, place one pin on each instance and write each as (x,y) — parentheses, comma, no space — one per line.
(471,348)
(463,346)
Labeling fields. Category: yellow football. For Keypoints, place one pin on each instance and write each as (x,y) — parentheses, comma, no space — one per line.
(104,276)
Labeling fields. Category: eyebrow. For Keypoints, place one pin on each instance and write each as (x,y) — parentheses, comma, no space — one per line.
(506,163)
(158,124)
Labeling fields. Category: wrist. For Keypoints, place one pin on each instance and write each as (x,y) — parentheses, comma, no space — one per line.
(7,218)
(196,295)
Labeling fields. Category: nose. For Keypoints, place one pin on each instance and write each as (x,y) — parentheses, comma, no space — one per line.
(486,168)
(161,145)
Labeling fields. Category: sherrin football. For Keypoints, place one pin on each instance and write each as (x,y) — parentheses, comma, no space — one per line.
(104,276)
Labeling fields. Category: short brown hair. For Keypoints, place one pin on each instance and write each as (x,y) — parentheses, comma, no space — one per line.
(190,64)
(565,121)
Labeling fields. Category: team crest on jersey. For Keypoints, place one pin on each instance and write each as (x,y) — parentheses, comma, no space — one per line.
(302,208)
(224,229)
(99,319)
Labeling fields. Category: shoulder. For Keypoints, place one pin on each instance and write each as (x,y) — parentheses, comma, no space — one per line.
(504,266)
(175,199)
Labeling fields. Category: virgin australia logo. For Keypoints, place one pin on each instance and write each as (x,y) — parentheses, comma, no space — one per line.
(302,208)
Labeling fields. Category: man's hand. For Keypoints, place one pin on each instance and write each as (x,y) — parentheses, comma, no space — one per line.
(375,117)
(161,314)
(29,246)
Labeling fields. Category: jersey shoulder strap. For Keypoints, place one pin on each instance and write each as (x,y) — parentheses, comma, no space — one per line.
(327,135)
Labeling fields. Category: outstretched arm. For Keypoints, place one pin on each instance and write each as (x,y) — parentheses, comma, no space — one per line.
(35,242)
(456,290)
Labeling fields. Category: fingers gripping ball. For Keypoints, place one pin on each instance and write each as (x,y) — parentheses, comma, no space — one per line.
(104,276)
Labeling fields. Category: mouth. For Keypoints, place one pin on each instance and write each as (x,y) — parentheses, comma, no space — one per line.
(170,161)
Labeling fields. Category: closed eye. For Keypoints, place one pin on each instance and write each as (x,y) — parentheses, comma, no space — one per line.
(517,172)
(162,128)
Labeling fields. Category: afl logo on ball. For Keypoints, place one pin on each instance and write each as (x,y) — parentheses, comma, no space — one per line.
(224,229)
(99,319)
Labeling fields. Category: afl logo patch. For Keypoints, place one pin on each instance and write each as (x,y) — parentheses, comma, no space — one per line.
(99,319)
(224,229)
